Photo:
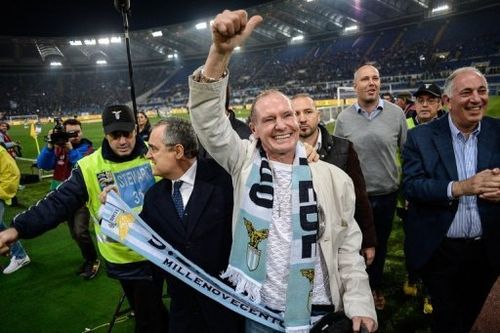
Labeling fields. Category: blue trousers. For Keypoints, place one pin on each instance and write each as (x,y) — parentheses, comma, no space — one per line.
(17,249)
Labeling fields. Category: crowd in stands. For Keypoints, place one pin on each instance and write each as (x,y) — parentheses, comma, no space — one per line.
(406,56)
(57,93)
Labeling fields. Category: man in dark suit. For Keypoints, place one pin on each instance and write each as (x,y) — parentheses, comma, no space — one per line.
(451,178)
(191,209)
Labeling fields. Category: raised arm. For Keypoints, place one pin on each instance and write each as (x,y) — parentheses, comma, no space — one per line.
(229,30)
(207,91)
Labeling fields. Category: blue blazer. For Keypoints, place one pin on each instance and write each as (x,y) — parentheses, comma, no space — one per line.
(428,166)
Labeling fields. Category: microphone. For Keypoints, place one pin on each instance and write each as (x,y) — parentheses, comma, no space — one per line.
(122,5)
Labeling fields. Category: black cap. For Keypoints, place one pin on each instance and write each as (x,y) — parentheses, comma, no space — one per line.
(428,88)
(118,118)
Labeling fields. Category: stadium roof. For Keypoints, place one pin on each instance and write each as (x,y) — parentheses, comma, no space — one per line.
(283,20)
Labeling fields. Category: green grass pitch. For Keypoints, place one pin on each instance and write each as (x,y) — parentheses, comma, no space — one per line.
(47,296)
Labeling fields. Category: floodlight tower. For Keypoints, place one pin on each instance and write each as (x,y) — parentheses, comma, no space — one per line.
(123,6)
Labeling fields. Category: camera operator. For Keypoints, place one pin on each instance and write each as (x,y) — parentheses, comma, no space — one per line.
(65,146)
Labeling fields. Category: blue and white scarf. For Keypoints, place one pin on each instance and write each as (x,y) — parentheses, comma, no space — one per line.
(122,224)
(247,263)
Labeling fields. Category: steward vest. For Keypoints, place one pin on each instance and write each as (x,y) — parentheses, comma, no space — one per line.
(132,178)
(410,123)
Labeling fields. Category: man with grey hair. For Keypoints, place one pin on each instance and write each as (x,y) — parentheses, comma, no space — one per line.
(451,178)
(196,200)
(377,128)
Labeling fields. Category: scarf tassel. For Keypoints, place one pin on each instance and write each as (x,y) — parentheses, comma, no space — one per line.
(242,283)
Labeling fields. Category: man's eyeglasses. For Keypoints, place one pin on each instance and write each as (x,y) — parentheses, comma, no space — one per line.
(430,100)
(118,134)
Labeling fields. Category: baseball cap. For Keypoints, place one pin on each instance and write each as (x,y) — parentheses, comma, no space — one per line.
(428,88)
(118,118)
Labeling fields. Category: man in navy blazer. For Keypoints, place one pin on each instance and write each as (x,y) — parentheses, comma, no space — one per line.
(451,178)
(198,225)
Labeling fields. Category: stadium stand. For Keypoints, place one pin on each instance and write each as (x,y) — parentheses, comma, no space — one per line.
(406,54)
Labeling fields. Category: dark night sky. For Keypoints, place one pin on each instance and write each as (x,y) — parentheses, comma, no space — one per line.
(83,17)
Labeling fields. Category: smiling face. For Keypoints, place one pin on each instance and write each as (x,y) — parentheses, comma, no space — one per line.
(367,85)
(275,124)
(467,100)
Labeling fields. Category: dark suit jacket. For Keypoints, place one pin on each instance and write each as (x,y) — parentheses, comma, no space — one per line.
(340,152)
(204,236)
(428,166)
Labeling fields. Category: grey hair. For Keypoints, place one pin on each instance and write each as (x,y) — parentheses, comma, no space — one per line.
(179,131)
(449,84)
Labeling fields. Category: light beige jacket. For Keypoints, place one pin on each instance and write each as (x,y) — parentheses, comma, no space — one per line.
(340,242)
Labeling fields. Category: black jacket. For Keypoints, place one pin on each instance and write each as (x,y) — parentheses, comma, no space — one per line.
(204,236)
(340,152)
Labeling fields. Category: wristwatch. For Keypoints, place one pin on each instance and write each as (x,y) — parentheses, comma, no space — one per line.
(200,76)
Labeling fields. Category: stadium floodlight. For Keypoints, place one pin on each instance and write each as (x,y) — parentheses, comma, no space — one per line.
(103,41)
(75,42)
(116,40)
(172,56)
(201,26)
(297,38)
(439,9)
(89,41)
(101,62)
(421,3)
(157,33)
(55,64)
(351,28)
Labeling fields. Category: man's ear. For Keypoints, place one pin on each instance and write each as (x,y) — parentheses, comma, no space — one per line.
(179,151)
(252,128)
(445,100)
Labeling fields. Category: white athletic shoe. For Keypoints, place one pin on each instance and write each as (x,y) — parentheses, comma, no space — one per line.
(15,264)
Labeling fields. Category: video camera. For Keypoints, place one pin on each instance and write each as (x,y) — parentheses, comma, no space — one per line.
(59,136)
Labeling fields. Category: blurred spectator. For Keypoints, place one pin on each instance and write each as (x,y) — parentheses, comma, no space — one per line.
(144,127)
(9,182)
(405,102)
(13,147)
(387,96)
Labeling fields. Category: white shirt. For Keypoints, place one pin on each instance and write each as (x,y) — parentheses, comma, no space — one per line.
(188,183)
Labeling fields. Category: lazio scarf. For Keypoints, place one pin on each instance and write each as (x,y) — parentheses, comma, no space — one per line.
(121,223)
(247,262)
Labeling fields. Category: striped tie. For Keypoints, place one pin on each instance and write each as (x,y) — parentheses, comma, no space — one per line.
(177,198)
